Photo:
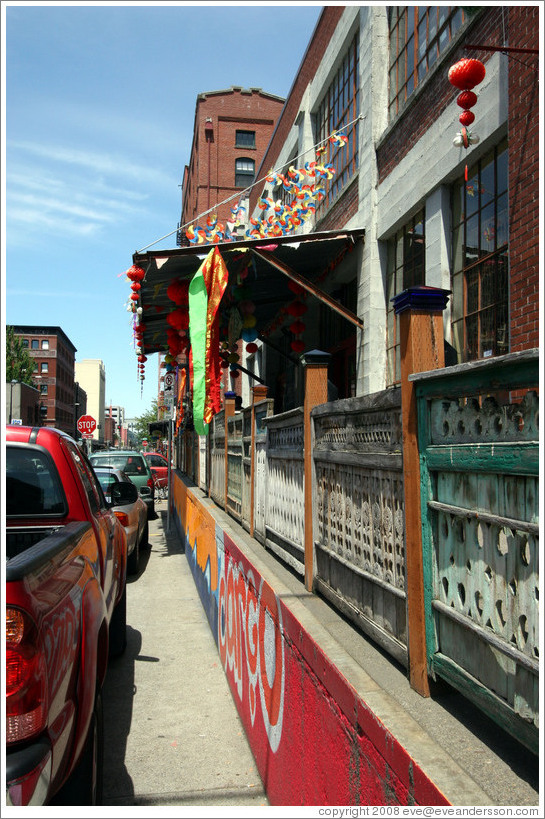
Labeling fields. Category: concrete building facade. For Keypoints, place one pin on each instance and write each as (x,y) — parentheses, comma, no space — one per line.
(91,374)
(379,74)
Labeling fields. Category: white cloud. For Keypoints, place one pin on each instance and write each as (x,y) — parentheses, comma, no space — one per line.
(97,163)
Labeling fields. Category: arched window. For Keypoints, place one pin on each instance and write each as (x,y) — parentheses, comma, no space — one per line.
(244,172)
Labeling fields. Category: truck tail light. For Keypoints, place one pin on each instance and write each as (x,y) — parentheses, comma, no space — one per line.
(122,517)
(26,678)
(150,483)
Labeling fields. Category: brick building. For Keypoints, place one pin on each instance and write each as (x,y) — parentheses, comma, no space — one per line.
(380,74)
(54,356)
(231,131)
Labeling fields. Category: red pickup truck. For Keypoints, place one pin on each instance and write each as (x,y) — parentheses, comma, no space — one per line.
(65,615)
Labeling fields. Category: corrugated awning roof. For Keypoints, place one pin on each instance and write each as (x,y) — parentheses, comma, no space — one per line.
(310,256)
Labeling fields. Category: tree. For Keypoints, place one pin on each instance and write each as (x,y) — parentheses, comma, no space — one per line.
(141,424)
(19,363)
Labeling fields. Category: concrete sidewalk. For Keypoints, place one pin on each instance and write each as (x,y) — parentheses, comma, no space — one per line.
(172,732)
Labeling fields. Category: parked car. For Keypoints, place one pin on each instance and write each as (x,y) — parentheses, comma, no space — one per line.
(159,466)
(133,515)
(135,466)
(66,558)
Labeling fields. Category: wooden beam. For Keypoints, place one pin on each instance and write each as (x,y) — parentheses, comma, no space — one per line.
(310,287)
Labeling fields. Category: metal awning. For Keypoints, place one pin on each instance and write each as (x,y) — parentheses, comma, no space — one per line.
(306,259)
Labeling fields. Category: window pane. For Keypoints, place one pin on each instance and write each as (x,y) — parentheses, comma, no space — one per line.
(502,224)
(472,290)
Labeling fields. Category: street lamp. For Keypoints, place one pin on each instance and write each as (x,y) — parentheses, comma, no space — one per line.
(76,405)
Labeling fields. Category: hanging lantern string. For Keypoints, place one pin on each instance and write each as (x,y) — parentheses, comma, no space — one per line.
(240,194)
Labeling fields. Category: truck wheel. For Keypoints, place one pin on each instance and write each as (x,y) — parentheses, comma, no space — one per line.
(145,535)
(118,627)
(85,785)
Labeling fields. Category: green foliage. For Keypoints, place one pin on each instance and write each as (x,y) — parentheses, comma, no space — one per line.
(141,426)
(19,363)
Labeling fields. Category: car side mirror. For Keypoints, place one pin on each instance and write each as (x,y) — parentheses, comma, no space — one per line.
(124,493)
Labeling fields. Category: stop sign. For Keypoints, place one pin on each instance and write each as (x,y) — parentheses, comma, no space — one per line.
(86,424)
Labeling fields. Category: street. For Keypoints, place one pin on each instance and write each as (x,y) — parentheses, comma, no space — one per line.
(172,733)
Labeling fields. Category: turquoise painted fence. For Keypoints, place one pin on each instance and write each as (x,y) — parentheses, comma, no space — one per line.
(478,430)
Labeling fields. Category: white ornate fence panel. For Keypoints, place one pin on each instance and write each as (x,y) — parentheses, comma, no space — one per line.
(246,466)
(284,500)
(234,465)
(203,461)
(217,458)
(262,410)
(359,502)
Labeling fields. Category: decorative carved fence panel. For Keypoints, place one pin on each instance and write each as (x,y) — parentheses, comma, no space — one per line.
(262,410)
(202,443)
(246,466)
(284,499)
(480,510)
(217,458)
(234,465)
(360,555)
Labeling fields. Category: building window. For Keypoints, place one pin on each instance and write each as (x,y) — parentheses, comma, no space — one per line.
(34,344)
(480,279)
(418,35)
(45,344)
(338,111)
(244,172)
(25,342)
(406,268)
(44,367)
(245,139)
(43,389)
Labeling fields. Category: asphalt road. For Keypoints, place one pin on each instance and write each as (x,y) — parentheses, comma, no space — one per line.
(172,732)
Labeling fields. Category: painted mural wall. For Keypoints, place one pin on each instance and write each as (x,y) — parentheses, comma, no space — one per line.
(314,740)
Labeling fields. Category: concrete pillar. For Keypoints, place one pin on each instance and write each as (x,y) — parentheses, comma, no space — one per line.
(420,311)
(315,363)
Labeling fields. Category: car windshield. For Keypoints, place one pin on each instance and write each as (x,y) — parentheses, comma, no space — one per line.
(130,464)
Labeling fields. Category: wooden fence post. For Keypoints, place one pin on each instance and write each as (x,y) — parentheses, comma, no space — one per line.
(259,393)
(420,311)
(315,363)
(229,412)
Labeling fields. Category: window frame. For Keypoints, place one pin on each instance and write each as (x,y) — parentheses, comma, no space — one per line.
(241,143)
(246,174)
(473,269)
(339,106)
(409,61)
(401,274)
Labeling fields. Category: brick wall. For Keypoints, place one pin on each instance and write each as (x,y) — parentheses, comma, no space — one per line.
(210,177)
(343,209)
(523,125)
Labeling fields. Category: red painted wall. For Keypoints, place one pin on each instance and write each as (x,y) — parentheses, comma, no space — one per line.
(314,740)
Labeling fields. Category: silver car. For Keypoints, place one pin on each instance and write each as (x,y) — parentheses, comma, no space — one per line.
(132,515)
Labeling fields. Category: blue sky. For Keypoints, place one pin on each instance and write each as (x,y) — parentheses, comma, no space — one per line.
(98,109)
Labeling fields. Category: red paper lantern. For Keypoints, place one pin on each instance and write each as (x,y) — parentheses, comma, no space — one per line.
(136,286)
(466,99)
(177,291)
(134,296)
(142,358)
(466,117)
(179,319)
(297,327)
(466,73)
(296,308)
(251,347)
(297,345)
(135,274)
